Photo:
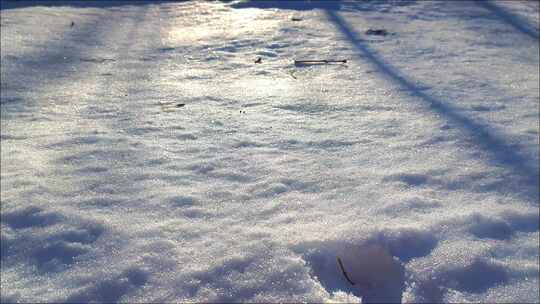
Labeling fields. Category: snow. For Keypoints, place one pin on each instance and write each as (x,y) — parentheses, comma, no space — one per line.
(146,157)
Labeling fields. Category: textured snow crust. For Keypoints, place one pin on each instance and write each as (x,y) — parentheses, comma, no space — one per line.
(145,157)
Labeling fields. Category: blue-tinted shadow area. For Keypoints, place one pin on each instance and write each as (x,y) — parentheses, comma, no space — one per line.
(55,64)
(515,21)
(14,4)
(500,153)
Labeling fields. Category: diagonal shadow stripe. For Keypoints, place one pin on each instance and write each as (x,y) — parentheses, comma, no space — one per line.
(515,21)
(17,4)
(500,153)
(52,65)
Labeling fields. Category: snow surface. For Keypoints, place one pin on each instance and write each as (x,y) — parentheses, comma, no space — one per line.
(145,157)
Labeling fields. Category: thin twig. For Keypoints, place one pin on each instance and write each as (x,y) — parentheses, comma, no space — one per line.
(320,61)
(343,271)
(292,74)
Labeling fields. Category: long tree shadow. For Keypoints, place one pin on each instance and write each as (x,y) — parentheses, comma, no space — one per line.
(512,19)
(14,4)
(500,152)
(56,63)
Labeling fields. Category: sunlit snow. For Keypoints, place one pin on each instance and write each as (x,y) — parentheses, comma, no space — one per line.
(167,151)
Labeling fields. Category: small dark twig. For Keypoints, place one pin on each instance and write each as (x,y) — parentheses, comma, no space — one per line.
(292,74)
(343,271)
(319,61)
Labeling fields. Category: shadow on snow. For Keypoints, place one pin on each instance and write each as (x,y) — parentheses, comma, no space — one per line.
(14,4)
(515,21)
(55,61)
(501,153)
